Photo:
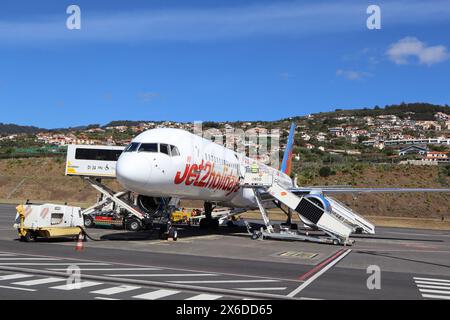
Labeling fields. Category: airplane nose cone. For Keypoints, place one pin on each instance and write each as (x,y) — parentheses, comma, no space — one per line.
(133,171)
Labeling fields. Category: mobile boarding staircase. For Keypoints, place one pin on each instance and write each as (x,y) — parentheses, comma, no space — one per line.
(109,196)
(315,210)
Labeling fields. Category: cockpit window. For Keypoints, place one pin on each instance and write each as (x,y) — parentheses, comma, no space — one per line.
(164,148)
(168,149)
(132,147)
(148,147)
(174,151)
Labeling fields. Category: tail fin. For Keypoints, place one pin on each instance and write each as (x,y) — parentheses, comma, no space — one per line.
(286,164)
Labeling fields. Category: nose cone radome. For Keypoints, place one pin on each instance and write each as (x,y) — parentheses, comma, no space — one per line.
(133,171)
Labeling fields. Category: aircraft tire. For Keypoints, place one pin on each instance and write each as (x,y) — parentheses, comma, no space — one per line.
(173,233)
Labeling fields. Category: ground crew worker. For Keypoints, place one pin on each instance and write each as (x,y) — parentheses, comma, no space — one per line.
(255,168)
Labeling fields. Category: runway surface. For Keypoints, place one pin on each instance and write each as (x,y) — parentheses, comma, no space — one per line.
(413,264)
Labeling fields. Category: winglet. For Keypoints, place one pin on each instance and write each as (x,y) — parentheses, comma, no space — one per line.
(286,164)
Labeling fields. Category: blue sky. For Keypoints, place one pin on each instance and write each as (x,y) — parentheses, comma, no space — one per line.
(216,60)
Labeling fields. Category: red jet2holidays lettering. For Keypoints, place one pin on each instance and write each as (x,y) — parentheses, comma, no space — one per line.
(203,175)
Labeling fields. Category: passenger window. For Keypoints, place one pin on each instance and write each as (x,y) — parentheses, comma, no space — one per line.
(164,148)
(174,151)
(148,147)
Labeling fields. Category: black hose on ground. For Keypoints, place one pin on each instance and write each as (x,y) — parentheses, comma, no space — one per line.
(84,231)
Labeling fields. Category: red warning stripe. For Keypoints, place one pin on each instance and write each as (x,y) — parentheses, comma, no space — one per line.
(103,218)
(44,213)
(321,265)
(28,210)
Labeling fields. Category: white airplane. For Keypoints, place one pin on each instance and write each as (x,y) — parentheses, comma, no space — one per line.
(173,163)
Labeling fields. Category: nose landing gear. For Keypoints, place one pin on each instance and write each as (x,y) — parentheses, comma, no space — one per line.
(167,231)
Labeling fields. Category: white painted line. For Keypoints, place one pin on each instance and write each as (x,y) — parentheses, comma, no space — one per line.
(52,264)
(431,279)
(432,287)
(14,258)
(433,283)
(224,281)
(161,275)
(16,288)
(107,269)
(204,296)
(105,298)
(39,281)
(318,274)
(114,290)
(15,276)
(146,266)
(263,289)
(156,294)
(433,296)
(79,285)
(435,291)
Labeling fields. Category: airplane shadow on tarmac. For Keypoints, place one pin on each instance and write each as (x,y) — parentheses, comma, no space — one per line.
(387,255)
(193,232)
(370,237)
(183,232)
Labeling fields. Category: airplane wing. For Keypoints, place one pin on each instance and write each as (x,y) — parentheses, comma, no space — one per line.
(334,190)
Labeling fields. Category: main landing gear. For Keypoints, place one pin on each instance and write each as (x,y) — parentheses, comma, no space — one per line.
(208,222)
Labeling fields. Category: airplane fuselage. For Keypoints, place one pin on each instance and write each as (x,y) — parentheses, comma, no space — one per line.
(168,162)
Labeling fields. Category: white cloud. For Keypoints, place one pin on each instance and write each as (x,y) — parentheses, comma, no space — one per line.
(209,23)
(352,74)
(401,51)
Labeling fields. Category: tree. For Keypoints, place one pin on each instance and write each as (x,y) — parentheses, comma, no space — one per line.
(361,139)
(325,172)
(448,170)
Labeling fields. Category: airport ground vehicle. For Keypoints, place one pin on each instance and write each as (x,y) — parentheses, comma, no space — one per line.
(112,219)
(48,221)
(180,217)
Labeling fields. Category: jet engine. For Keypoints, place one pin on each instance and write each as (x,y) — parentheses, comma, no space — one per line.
(148,204)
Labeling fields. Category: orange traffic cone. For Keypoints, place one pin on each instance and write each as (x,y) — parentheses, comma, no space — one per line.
(79,245)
